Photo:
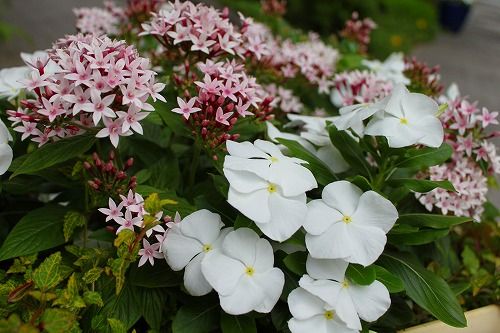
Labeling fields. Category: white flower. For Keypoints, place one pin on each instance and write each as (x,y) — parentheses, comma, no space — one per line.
(242,273)
(186,244)
(348,224)
(315,131)
(10,86)
(409,118)
(312,314)
(392,69)
(268,187)
(5,150)
(326,280)
(352,116)
(42,57)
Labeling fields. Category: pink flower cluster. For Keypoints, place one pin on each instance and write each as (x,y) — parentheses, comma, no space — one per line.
(359,31)
(129,214)
(313,59)
(470,183)
(99,80)
(200,28)
(354,87)
(224,94)
(100,21)
(465,127)
(284,99)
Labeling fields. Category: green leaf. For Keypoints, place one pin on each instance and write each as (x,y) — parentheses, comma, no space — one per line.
(470,260)
(237,324)
(321,172)
(48,274)
(39,230)
(460,288)
(420,158)
(116,326)
(58,321)
(360,275)
(296,262)
(93,298)
(158,276)
(150,302)
(361,182)
(435,221)
(125,306)
(242,221)
(421,185)
(427,290)
(54,153)
(391,281)
(72,220)
(423,236)
(350,150)
(92,275)
(195,318)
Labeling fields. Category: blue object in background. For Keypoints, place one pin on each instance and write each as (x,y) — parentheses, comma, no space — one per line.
(452,15)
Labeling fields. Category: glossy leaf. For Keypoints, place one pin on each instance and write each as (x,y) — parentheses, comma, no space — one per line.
(431,220)
(419,158)
(196,318)
(361,275)
(421,185)
(237,324)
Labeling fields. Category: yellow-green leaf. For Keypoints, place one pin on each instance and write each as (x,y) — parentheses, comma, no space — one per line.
(48,274)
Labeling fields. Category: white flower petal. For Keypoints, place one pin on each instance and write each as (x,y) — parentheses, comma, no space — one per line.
(417,106)
(264,256)
(394,103)
(332,158)
(333,244)
(245,297)
(179,249)
(432,129)
(320,217)
(202,225)
(376,211)
(326,290)
(343,196)
(317,324)
(194,281)
(253,205)
(241,244)
(346,310)
(304,305)
(287,216)
(259,167)
(271,284)
(222,272)
(371,301)
(294,179)
(6,155)
(331,269)
(365,244)
(245,181)
(268,147)
(244,149)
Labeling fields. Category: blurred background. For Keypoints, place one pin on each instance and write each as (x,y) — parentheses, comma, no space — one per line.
(461,36)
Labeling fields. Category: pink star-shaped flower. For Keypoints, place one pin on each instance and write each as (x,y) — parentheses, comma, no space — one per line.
(186,108)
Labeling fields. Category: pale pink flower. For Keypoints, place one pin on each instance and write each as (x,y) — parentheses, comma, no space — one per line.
(186,108)
(113,212)
(149,252)
(222,117)
(128,222)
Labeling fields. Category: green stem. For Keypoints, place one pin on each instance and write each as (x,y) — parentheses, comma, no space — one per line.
(194,166)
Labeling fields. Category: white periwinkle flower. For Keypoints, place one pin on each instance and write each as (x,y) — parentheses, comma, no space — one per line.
(392,69)
(352,116)
(242,273)
(408,119)
(348,224)
(5,150)
(268,187)
(326,280)
(312,314)
(10,86)
(187,243)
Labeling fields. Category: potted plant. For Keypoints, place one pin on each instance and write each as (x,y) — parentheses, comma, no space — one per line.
(453,13)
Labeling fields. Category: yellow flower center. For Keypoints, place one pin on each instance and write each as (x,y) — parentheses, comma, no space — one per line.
(271,188)
(273,159)
(346,219)
(345,284)
(207,248)
(328,315)
(403,121)
(249,271)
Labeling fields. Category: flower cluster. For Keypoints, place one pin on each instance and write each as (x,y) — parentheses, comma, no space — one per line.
(100,21)
(284,99)
(359,31)
(109,177)
(225,94)
(359,86)
(391,69)
(131,214)
(423,78)
(465,127)
(236,263)
(98,80)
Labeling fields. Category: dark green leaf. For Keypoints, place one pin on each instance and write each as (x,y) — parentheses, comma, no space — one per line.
(58,321)
(423,236)
(151,303)
(391,281)
(419,158)
(244,222)
(125,306)
(470,260)
(421,185)
(54,153)
(196,318)
(431,220)
(428,290)
(360,275)
(459,288)
(237,324)
(154,277)
(72,220)
(48,275)
(296,262)
(39,230)
(116,326)
(350,151)
(321,172)
(361,182)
